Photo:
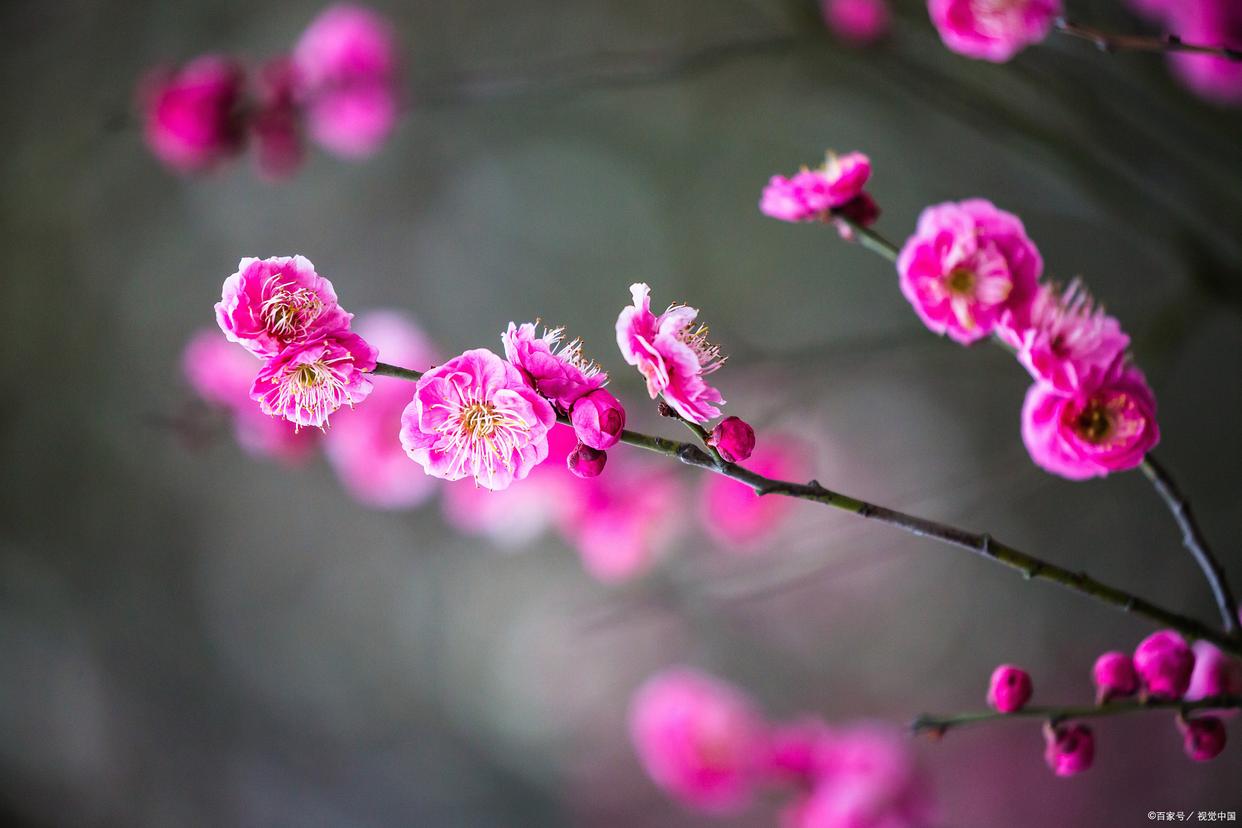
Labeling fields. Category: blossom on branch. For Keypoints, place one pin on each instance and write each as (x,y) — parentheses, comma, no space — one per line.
(993,30)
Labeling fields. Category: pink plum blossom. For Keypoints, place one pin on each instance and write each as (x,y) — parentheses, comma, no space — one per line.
(309,381)
(191,115)
(738,518)
(362,444)
(1210,23)
(857,22)
(672,353)
(347,68)
(221,374)
(554,368)
(598,419)
(269,304)
(1114,677)
(967,264)
(699,739)
(1069,748)
(1009,688)
(475,416)
(276,122)
(1215,673)
(810,194)
(1065,340)
(1164,663)
(1103,428)
(994,30)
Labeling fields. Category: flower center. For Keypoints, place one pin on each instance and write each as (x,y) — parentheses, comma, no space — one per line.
(312,387)
(1094,423)
(483,438)
(478,420)
(709,355)
(960,281)
(288,313)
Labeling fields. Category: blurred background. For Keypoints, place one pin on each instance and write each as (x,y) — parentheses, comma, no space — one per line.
(191,635)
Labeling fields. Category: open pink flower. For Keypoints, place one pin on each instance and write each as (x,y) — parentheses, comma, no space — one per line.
(1212,23)
(1099,429)
(271,303)
(475,416)
(308,381)
(857,22)
(809,194)
(734,515)
(347,66)
(1066,341)
(994,30)
(672,354)
(276,122)
(966,265)
(362,444)
(554,368)
(191,115)
(700,739)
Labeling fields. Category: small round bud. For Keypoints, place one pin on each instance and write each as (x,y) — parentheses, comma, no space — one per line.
(1164,662)
(1203,737)
(1114,677)
(1069,748)
(598,419)
(1009,689)
(733,438)
(586,462)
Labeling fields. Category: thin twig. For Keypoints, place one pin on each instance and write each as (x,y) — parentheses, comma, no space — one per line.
(981,544)
(941,724)
(1112,42)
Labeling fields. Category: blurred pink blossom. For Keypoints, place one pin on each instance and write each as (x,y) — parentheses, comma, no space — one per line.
(858,22)
(966,265)
(1203,737)
(276,121)
(363,445)
(1215,673)
(309,381)
(733,514)
(555,369)
(1208,23)
(271,303)
(672,354)
(810,194)
(1069,748)
(994,30)
(1164,663)
(347,67)
(192,115)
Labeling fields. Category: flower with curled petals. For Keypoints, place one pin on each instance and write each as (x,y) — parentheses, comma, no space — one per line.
(553,367)
(269,304)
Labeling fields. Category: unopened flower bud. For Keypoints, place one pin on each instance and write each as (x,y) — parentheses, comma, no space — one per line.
(598,419)
(1070,748)
(733,438)
(1009,689)
(586,462)
(1114,677)
(1215,674)
(1164,662)
(1203,737)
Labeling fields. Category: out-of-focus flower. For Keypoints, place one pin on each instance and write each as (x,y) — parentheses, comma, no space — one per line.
(1065,340)
(475,416)
(1009,688)
(857,22)
(1069,748)
(1203,737)
(810,194)
(738,518)
(276,122)
(269,304)
(733,438)
(362,445)
(1114,677)
(1210,23)
(347,67)
(1155,10)
(672,354)
(598,419)
(966,265)
(555,369)
(309,381)
(1164,663)
(586,462)
(699,739)
(191,115)
(994,30)
(222,374)
(1215,673)
(1100,429)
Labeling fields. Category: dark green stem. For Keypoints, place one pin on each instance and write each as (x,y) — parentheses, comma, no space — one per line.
(942,724)
(1112,42)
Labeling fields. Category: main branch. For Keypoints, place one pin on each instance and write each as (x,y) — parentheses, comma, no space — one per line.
(941,724)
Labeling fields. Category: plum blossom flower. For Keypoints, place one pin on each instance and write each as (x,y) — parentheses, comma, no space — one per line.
(810,194)
(1065,341)
(347,66)
(736,517)
(967,264)
(857,22)
(700,739)
(475,416)
(271,303)
(734,438)
(276,122)
(672,354)
(993,30)
(1114,677)
(1105,427)
(221,375)
(308,381)
(1215,673)
(554,368)
(586,462)
(362,444)
(1164,663)
(191,115)
(1212,23)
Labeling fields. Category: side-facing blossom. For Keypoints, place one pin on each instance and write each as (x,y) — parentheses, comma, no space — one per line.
(994,30)
(809,194)
(1212,23)
(362,444)
(191,115)
(734,515)
(857,22)
(347,70)
(1104,427)
(271,303)
(1065,340)
(276,122)
(699,739)
(475,416)
(1215,673)
(967,264)
(672,353)
(553,367)
(310,380)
